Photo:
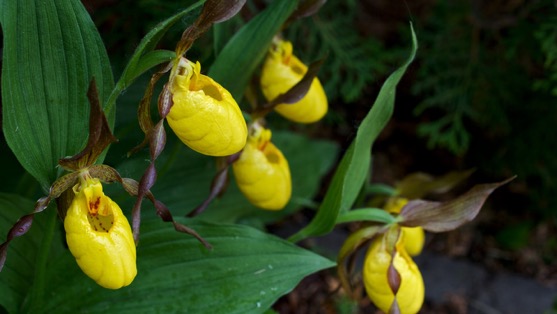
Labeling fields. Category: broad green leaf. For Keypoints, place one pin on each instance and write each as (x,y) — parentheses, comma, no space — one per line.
(144,57)
(246,272)
(51,51)
(19,273)
(354,166)
(235,65)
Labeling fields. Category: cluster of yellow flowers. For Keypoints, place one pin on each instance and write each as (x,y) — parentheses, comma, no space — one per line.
(205,117)
(262,172)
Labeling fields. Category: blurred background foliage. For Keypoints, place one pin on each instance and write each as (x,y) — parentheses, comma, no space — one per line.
(481,93)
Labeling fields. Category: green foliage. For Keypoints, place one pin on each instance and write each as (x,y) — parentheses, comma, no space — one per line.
(353,61)
(176,274)
(355,164)
(14,282)
(446,79)
(516,236)
(546,34)
(487,95)
(247,270)
(46,69)
(45,79)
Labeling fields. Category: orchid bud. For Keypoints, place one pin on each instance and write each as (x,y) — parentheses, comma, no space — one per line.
(407,288)
(204,115)
(414,237)
(99,236)
(281,71)
(262,172)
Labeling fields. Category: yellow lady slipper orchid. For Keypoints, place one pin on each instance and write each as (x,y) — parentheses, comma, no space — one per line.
(262,172)
(204,115)
(410,294)
(281,71)
(414,237)
(99,236)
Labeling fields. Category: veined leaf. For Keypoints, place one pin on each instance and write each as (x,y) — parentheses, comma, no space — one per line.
(18,274)
(235,65)
(354,166)
(246,272)
(51,51)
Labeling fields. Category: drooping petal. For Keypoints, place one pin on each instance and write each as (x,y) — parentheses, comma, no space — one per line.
(204,115)
(281,71)
(100,238)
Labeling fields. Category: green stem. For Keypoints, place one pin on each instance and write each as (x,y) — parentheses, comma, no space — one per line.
(367,214)
(38,288)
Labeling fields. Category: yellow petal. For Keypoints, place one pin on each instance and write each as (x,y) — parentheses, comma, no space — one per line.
(281,71)
(414,238)
(395,204)
(102,244)
(263,175)
(410,295)
(205,116)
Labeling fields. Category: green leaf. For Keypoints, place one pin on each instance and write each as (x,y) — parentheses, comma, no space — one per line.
(246,272)
(354,166)
(366,214)
(51,51)
(18,274)
(144,57)
(235,65)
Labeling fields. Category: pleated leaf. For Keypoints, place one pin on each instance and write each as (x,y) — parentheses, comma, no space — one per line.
(51,51)
(246,272)
(17,276)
